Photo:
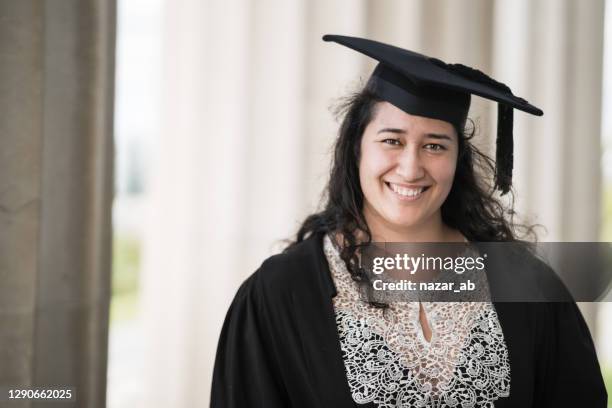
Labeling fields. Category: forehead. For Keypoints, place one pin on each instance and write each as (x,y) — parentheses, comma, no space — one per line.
(387,115)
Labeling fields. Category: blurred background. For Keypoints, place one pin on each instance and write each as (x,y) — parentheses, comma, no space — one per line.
(222,119)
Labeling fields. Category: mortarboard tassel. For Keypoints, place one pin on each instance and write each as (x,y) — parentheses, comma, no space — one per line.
(504,156)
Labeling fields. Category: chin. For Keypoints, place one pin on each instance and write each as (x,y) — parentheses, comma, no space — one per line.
(404,221)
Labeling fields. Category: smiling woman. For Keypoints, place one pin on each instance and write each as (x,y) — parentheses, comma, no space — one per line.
(299,333)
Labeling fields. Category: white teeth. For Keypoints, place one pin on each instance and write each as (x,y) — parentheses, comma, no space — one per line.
(406,192)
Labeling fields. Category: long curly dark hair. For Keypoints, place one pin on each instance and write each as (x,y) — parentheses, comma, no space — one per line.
(471,206)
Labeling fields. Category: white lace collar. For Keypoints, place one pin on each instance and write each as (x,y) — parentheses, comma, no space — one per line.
(389,362)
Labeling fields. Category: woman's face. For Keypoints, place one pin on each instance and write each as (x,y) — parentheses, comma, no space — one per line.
(406,168)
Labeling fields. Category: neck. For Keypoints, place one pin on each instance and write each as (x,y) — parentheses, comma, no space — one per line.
(432,230)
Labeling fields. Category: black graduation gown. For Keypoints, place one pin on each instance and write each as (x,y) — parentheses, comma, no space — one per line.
(279,346)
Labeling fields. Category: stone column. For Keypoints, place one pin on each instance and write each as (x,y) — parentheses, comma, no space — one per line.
(56,184)
(552,51)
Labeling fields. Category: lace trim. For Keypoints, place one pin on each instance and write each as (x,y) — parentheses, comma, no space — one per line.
(389,362)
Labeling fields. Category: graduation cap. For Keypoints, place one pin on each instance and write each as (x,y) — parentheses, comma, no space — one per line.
(425,86)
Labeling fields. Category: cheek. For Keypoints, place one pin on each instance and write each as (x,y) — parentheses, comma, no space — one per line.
(445,172)
(374,163)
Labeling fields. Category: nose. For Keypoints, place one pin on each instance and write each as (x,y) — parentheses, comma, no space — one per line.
(410,165)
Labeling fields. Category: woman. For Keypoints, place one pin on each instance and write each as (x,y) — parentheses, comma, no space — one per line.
(298,334)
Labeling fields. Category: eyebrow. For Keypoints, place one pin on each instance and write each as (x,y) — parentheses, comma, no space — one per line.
(402,131)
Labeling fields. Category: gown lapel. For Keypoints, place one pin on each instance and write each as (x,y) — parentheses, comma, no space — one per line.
(319,333)
(518,326)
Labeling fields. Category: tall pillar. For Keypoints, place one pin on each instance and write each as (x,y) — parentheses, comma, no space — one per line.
(330,73)
(553,51)
(56,183)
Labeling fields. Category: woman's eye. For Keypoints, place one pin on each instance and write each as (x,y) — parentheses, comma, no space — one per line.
(434,147)
(393,142)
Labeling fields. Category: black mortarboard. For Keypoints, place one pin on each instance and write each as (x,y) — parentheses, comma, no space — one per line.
(426,86)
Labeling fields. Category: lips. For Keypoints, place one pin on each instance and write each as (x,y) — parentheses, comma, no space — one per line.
(407,193)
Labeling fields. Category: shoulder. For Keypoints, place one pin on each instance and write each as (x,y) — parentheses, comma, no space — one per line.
(545,278)
(519,273)
(297,269)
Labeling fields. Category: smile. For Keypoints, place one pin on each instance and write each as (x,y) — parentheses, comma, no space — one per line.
(405,193)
